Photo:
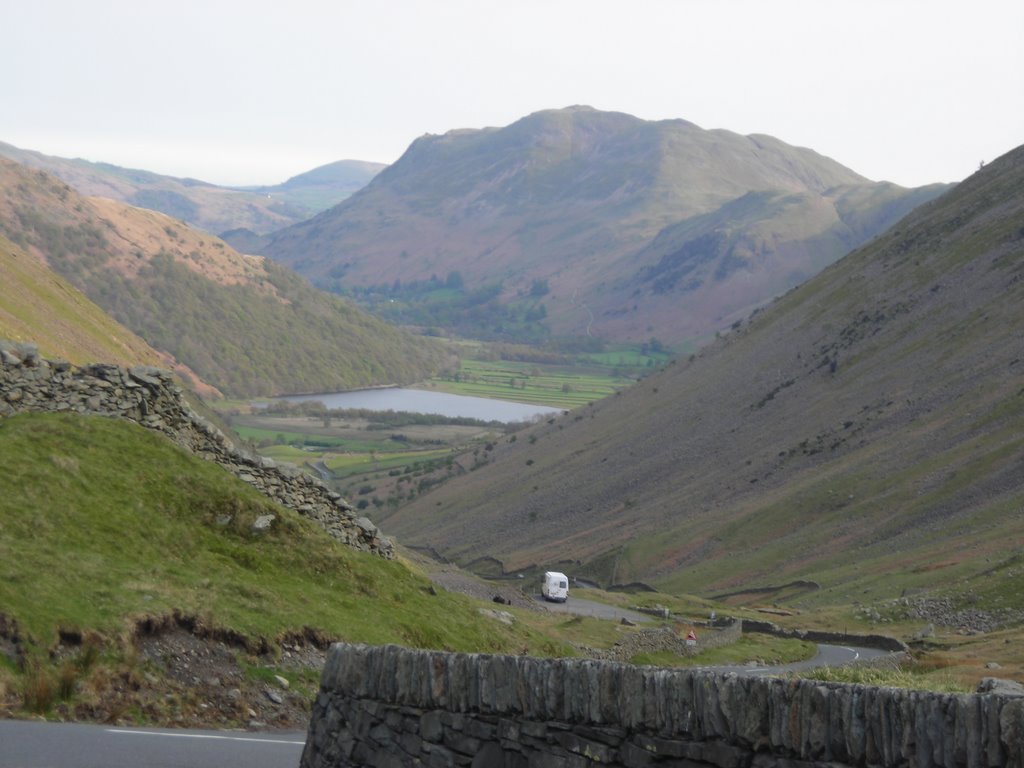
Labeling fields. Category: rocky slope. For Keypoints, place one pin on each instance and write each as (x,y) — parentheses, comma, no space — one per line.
(863,431)
(634,228)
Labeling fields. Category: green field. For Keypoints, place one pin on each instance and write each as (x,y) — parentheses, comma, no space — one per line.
(558,386)
(379,463)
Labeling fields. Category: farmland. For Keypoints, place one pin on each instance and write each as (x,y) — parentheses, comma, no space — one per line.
(380,460)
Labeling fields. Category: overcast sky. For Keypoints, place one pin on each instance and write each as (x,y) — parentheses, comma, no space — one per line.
(253,92)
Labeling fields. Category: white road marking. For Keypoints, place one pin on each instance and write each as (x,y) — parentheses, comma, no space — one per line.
(204,736)
(856,654)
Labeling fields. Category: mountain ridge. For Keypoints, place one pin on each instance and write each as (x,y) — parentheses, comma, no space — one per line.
(211,207)
(576,198)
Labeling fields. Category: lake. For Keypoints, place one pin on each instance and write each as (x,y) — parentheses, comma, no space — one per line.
(424,401)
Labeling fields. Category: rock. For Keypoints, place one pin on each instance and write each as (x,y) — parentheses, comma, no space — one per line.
(262,523)
(1000,686)
(928,631)
(282,681)
(274,696)
(503,616)
(366,524)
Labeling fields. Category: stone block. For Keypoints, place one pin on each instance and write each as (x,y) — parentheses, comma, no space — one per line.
(592,750)
(432,727)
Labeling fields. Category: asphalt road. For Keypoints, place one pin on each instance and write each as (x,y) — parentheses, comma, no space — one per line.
(827,656)
(33,744)
(580,606)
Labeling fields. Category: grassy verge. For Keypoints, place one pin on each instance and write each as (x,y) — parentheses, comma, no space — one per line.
(763,649)
(914,677)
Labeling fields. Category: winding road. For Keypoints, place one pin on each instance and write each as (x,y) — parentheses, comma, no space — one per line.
(580,606)
(827,656)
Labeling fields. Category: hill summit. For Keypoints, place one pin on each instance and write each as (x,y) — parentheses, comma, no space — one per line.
(617,227)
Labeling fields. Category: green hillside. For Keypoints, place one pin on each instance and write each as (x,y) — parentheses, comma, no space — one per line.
(39,306)
(106,528)
(863,433)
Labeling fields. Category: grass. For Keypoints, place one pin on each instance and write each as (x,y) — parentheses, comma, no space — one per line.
(765,649)
(103,523)
(557,385)
(911,677)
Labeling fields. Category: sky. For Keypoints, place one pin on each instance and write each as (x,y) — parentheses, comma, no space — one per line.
(254,92)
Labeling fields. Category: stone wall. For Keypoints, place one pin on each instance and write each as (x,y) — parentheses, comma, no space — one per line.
(149,396)
(820,636)
(388,706)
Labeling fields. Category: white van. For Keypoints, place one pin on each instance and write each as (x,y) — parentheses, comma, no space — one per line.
(555,587)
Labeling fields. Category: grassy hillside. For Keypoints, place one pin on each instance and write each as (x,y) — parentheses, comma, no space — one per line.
(582,222)
(864,432)
(244,325)
(106,500)
(111,537)
(39,306)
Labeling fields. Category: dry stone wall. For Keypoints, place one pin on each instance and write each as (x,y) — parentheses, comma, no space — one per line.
(149,397)
(388,706)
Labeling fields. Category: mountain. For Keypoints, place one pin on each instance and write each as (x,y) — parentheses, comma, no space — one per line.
(618,227)
(864,432)
(323,187)
(245,325)
(207,206)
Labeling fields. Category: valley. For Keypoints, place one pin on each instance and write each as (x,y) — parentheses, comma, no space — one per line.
(780,392)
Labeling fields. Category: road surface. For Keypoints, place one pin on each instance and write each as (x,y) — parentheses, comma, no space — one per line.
(580,606)
(827,656)
(34,744)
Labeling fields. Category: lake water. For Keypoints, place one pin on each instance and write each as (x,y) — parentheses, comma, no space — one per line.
(424,401)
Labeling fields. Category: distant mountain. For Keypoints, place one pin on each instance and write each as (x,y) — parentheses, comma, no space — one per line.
(323,187)
(207,206)
(864,432)
(614,226)
(245,325)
